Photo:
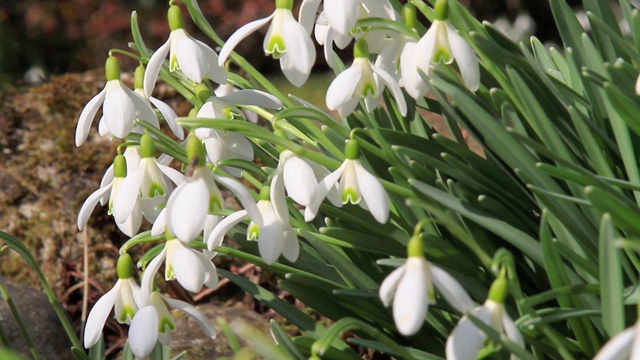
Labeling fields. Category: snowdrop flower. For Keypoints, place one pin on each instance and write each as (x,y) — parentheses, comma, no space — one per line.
(389,59)
(191,268)
(300,178)
(147,184)
(194,58)
(440,43)
(286,40)
(411,288)
(156,316)
(327,36)
(109,189)
(124,298)
(221,144)
(120,106)
(355,185)
(362,80)
(275,236)
(167,112)
(625,345)
(192,201)
(466,339)
(342,15)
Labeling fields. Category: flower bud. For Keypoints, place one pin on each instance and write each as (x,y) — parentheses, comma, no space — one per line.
(125,266)
(352,149)
(174,15)
(112,68)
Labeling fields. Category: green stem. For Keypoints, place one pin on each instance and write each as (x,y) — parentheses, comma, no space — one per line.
(26,254)
(16,315)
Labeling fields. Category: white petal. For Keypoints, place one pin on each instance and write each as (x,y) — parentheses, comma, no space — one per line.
(343,87)
(146,284)
(411,300)
(465,341)
(252,97)
(323,188)
(154,66)
(423,52)
(143,333)
(98,316)
(243,195)
(270,242)
(119,109)
(297,61)
(411,79)
(187,267)
(144,111)
(239,35)
(278,200)
(394,87)
(619,347)
(373,193)
(307,14)
(218,233)
(299,180)
(160,225)
(466,59)
(328,40)
(638,86)
(199,317)
(90,204)
(451,289)
(342,14)
(127,195)
(86,116)
(169,116)
(291,248)
(132,224)
(512,332)
(174,175)
(389,285)
(187,209)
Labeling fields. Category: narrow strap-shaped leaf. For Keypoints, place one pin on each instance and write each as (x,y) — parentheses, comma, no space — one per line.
(611,286)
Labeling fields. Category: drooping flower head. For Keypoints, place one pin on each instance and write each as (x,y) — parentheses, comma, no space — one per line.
(286,40)
(466,339)
(120,107)
(362,80)
(355,185)
(124,298)
(443,44)
(194,58)
(411,289)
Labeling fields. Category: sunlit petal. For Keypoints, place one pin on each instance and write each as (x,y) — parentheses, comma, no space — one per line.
(411,301)
(619,347)
(451,289)
(342,14)
(154,66)
(90,204)
(466,59)
(187,209)
(373,193)
(86,117)
(143,333)
(98,316)
(217,235)
(239,35)
(389,285)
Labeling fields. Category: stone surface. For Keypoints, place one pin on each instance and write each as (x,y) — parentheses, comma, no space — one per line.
(40,320)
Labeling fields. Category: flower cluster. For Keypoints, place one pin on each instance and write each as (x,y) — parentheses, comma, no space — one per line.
(178,192)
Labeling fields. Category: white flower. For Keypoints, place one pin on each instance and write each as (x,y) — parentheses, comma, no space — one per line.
(355,185)
(194,58)
(124,298)
(440,43)
(362,80)
(191,268)
(148,184)
(299,177)
(625,345)
(411,287)
(121,106)
(466,339)
(326,36)
(156,316)
(275,236)
(221,144)
(109,188)
(286,40)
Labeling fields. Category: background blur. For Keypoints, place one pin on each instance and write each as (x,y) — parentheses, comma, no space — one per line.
(54,37)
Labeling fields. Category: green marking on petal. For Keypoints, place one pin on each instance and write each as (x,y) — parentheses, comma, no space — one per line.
(275,47)
(156,190)
(127,311)
(253,232)
(368,89)
(441,54)
(350,195)
(166,324)
(173,63)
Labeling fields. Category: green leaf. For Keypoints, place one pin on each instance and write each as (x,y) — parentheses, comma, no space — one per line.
(623,212)
(611,286)
(283,340)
